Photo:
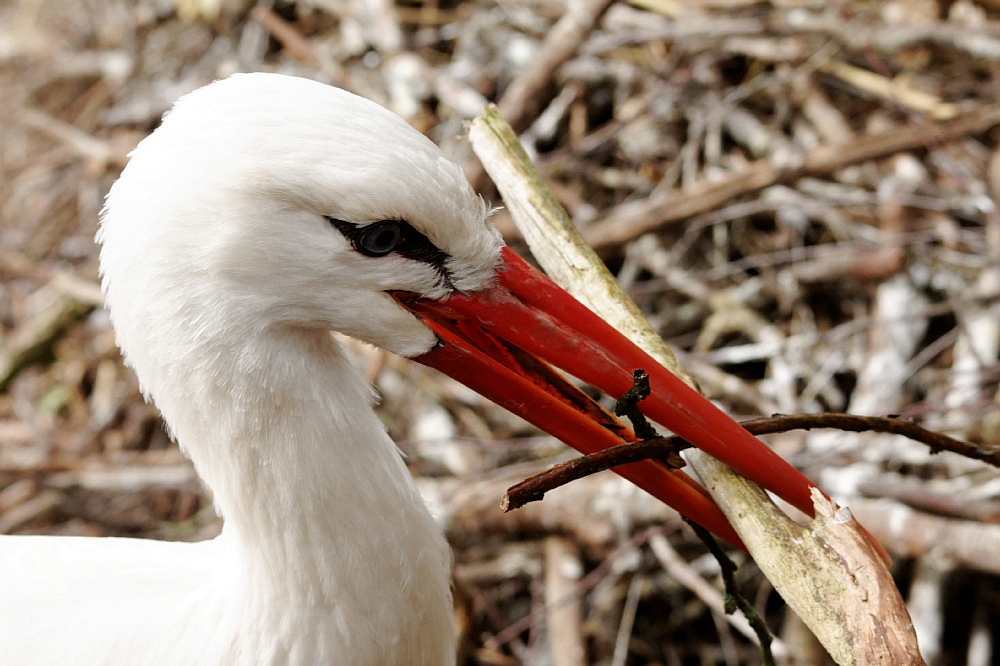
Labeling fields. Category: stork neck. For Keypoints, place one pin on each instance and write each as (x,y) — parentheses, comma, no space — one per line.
(335,548)
(310,485)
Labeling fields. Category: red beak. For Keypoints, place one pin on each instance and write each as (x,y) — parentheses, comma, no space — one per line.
(504,342)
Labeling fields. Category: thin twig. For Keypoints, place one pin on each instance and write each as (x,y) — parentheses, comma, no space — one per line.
(733,599)
(665,449)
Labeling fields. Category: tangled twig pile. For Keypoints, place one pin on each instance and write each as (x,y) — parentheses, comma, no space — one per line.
(801,195)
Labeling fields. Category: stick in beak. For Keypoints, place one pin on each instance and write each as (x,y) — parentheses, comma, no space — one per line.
(502,341)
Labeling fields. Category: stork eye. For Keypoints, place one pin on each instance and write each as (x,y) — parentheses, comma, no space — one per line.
(380,238)
(384,237)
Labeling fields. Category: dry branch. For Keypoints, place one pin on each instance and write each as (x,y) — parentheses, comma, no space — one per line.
(836,582)
(524,97)
(631,220)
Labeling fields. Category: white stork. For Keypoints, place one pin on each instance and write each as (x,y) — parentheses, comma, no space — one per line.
(265,212)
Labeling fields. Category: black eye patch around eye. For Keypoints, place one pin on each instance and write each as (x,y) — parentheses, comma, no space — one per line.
(384,237)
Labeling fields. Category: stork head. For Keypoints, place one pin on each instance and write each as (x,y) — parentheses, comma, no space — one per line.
(265,203)
(266,200)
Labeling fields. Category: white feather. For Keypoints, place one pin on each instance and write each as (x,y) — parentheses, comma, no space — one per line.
(223,280)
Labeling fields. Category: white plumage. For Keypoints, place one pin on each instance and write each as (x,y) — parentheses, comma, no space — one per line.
(265,212)
(223,278)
